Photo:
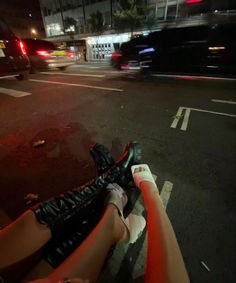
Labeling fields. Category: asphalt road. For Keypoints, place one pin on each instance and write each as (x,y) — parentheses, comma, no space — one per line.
(187,130)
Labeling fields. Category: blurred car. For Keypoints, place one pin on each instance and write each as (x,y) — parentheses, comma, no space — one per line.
(128,55)
(208,49)
(13,58)
(45,55)
(199,49)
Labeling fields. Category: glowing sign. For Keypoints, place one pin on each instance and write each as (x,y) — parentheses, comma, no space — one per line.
(193,1)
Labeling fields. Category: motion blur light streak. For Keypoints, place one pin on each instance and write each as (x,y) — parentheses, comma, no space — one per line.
(43,53)
(214,48)
(193,1)
(22,47)
(146,50)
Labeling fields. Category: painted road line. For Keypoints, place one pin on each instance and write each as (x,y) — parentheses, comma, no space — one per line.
(13,92)
(115,261)
(139,268)
(166,192)
(211,112)
(78,85)
(6,77)
(185,121)
(177,117)
(224,101)
(187,115)
(72,74)
(189,77)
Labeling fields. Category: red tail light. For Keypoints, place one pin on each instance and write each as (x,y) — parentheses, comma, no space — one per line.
(70,53)
(43,53)
(22,47)
(116,55)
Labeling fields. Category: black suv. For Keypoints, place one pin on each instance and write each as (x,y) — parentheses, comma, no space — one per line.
(205,49)
(13,58)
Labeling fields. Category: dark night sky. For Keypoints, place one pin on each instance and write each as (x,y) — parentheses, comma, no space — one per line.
(22,3)
(23,7)
(26,5)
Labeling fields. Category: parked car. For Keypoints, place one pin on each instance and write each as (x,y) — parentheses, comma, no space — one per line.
(13,58)
(45,55)
(197,49)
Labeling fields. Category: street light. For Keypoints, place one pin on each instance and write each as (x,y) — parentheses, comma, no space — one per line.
(33,32)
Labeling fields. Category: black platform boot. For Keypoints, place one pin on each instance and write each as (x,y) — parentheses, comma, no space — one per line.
(72,217)
(102,158)
(58,210)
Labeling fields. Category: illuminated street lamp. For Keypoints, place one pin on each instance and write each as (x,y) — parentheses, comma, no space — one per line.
(33,32)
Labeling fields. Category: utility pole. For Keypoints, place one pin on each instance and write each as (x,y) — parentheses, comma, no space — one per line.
(177,9)
(62,16)
(111,11)
(84,15)
(166,10)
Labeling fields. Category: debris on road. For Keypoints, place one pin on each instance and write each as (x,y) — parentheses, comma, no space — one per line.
(31,198)
(205,266)
(39,143)
(122,107)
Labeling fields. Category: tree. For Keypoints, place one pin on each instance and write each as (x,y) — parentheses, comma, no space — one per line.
(96,23)
(70,25)
(130,15)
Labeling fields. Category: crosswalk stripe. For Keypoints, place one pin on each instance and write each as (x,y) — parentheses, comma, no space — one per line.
(13,92)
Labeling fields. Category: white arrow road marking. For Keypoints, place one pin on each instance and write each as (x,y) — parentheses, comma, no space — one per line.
(13,92)
(78,85)
(140,265)
(224,101)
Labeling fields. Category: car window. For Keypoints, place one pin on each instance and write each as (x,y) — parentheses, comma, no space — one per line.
(33,45)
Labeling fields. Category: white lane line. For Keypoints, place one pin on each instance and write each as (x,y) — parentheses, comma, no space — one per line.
(187,114)
(224,101)
(115,261)
(72,74)
(140,265)
(13,92)
(211,112)
(139,268)
(193,77)
(177,117)
(166,192)
(185,121)
(78,85)
(6,77)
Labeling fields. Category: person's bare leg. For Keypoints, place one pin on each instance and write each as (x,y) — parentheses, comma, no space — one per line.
(21,239)
(164,260)
(86,262)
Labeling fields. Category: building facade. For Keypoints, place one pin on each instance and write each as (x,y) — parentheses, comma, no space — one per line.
(68,21)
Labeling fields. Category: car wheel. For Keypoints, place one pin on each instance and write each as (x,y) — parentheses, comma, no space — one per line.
(62,68)
(23,76)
